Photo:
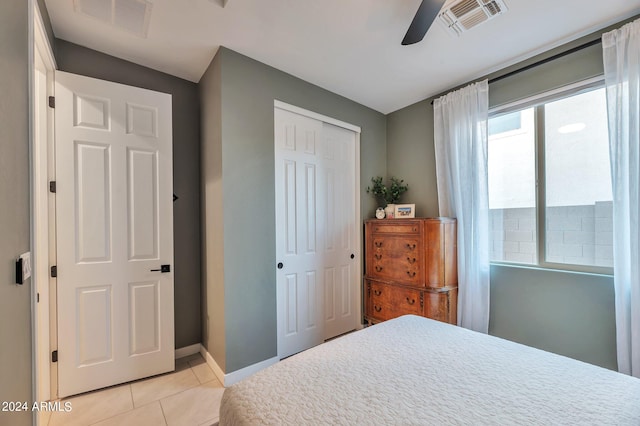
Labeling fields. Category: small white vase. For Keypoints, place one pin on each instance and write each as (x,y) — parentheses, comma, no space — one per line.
(389,210)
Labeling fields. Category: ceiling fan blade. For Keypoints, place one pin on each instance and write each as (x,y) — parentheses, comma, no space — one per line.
(425,16)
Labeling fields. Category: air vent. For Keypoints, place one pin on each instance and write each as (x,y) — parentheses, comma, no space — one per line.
(472,19)
(464,7)
(459,16)
(492,7)
(128,15)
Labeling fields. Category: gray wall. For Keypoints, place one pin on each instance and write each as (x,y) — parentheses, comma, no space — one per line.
(186,169)
(411,155)
(213,307)
(248,89)
(563,312)
(567,313)
(15,301)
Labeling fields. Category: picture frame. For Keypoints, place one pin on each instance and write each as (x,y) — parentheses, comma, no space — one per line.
(404,211)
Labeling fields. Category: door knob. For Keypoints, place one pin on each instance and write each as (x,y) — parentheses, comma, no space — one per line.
(163,269)
(352,255)
(280,265)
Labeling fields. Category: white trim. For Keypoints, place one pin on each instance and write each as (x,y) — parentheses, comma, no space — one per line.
(31,47)
(213,364)
(315,115)
(188,350)
(42,38)
(238,375)
(243,373)
(43,318)
(359,239)
(544,96)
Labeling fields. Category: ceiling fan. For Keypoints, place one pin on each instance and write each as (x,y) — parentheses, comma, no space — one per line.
(426,14)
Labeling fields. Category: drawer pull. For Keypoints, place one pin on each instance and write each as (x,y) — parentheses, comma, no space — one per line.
(411,246)
(377,256)
(377,292)
(377,308)
(411,260)
(378,268)
(411,273)
(377,243)
(411,301)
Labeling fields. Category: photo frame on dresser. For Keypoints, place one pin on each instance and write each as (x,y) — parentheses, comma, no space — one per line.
(404,211)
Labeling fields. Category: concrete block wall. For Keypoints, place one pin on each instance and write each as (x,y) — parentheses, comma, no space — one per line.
(513,235)
(579,235)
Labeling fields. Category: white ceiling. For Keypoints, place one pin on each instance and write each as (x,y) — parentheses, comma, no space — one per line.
(350,47)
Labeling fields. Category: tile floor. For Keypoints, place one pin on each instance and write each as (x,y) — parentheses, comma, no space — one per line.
(189,396)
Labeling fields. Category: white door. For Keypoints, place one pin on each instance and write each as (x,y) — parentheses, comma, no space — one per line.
(114,224)
(341,273)
(316,228)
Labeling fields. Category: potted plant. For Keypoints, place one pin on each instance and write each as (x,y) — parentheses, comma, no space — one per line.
(388,196)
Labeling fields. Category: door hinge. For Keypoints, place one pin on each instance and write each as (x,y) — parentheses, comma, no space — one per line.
(52,101)
(54,356)
(54,271)
(52,186)
(37,297)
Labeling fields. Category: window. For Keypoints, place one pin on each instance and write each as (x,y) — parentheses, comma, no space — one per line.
(562,145)
(505,123)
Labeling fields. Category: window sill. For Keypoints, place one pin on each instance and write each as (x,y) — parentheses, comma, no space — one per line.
(559,268)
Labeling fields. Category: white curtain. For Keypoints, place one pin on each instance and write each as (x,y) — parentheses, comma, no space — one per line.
(460,133)
(621,52)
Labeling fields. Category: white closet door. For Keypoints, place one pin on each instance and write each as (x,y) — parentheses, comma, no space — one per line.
(341,244)
(316,230)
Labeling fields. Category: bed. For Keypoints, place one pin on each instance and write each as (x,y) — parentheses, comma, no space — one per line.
(413,370)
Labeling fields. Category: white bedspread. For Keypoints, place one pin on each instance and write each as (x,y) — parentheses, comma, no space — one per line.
(415,371)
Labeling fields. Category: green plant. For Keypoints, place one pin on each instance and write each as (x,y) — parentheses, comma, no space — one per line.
(390,194)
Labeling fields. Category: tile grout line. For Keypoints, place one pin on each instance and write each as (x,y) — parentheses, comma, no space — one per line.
(133,405)
(164,416)
(166,422)
(129,385)
(166,396)
(116,415)
(160,400)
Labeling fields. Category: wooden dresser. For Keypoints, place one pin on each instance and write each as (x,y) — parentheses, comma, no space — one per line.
(411,268)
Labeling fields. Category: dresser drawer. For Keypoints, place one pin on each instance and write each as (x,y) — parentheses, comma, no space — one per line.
(397,259)
(390,226)
(388,301)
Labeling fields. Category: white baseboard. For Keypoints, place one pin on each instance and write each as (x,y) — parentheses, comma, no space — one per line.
(243,373)
(188,350)
(213,364)
(235,376)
